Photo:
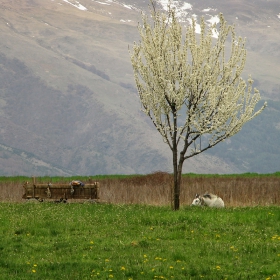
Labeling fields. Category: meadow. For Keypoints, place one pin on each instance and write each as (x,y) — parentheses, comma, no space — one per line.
(107,241)
(134,234)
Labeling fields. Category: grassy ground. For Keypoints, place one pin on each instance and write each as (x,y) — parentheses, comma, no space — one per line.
(105,241)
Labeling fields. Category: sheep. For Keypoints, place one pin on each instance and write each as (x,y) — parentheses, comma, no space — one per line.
(208,199)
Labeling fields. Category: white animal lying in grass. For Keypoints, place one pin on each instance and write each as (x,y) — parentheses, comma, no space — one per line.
(208,199)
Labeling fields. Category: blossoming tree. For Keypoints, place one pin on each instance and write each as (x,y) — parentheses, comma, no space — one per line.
(190,86)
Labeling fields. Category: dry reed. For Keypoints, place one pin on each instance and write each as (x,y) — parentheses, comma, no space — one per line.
(156,189)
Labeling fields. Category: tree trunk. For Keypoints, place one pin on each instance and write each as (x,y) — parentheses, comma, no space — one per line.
(176,194)
(176,187)
(177,180)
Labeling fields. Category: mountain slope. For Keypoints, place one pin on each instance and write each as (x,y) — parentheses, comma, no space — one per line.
(68,102)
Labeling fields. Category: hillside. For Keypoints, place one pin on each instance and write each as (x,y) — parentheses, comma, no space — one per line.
(68,103)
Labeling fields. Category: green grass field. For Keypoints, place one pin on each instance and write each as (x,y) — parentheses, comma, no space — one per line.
(105,241)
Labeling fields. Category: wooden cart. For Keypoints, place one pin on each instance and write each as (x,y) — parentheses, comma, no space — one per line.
(75,190)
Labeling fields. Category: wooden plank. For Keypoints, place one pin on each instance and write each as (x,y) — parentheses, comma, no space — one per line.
(64,186)
(64,190)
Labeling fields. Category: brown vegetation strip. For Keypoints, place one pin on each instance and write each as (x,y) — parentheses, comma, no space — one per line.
(156,189)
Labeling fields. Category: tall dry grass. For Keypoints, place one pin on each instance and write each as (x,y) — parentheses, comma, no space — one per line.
(156,189)
(11,191)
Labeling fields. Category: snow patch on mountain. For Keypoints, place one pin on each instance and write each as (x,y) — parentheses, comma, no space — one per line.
(214,20)
(208,10)
(109,2)
(103,3)
(123,20)
(183,13)
(76,4)
(176,4)
(181,8)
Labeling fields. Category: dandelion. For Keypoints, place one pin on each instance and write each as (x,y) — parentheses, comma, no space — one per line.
(218,267)
(171,267)
(233,248)
(106,260)
(33,270)
(122,268)
(91,242)
(111,276)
